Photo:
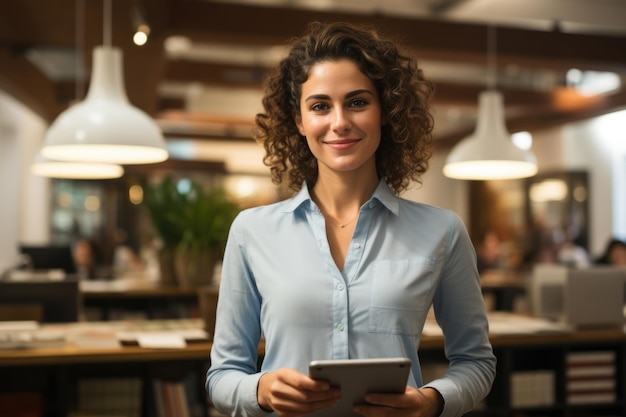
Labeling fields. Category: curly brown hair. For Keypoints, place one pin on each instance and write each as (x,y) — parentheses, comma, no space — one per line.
(406,137)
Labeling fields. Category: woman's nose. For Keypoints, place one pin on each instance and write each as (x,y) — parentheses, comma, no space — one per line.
(341,120)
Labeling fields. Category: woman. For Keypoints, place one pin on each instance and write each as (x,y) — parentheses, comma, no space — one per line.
(345,268)
(614,253)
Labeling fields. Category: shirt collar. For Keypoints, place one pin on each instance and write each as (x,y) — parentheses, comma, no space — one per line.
(382,193)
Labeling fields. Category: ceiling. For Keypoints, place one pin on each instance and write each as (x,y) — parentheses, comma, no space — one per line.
(200,73)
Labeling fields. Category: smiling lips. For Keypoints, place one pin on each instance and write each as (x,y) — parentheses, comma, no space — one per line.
(341,145)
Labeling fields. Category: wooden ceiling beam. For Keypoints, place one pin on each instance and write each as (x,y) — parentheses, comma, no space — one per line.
(175,165)
(215,74)
(431,39)
(538,118)
(27,84)
(29,23)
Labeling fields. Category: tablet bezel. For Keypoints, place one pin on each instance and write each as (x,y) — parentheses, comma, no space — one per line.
(357,377)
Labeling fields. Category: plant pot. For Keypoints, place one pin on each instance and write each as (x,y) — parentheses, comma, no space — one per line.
(194,268)
(166,266)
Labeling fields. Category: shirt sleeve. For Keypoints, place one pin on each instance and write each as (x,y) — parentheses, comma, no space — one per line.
(232,378)
(460,311)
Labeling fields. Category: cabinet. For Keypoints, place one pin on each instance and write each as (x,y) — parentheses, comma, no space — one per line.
(55,373)
(552,360)
(137,299)
(53,380)
(544,358)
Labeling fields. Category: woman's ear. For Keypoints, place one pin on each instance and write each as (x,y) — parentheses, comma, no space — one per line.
(384,120)
(297,118)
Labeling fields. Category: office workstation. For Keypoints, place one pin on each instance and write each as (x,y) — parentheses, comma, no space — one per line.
(534,348)
(136,312)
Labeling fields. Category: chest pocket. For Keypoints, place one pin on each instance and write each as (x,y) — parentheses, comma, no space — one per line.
(400,295)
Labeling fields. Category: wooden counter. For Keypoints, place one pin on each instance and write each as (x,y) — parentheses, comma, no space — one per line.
(63,367)
(107,300)
(72,355)
(132,288)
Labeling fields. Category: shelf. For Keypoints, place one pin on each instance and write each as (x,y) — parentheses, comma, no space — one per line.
(59,367)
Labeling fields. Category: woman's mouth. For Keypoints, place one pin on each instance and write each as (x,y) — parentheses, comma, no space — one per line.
(343,144)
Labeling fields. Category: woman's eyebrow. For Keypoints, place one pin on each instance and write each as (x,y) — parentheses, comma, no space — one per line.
(348,95)
(357,92)
(317,97)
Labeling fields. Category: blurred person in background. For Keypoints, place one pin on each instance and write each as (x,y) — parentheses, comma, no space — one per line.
(489,253)
(614,253)
(86,258)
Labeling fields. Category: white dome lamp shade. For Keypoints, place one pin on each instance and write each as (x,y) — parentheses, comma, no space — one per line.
(105,127)
(489,154)
(75,170)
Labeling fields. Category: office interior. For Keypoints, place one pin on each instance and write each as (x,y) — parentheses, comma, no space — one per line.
(199,76)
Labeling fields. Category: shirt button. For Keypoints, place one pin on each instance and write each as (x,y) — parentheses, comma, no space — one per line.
(340,287)
(340,327)
(357,245)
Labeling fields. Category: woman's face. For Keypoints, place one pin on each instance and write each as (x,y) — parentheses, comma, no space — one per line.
(340,116)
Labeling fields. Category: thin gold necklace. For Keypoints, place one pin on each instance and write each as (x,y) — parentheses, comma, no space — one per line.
(343,225)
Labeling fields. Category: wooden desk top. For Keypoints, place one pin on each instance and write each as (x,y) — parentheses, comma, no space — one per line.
(127,288)
(71,355)
(564,338)
(200,350)
(503,280)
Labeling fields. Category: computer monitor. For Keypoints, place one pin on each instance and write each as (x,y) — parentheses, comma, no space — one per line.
(595,297)
(59,301)
(46,257)
(546,291)
(579,297)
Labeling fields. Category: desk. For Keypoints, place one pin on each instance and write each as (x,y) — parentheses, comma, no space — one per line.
(62,367)
(505,286)
(70,355)
(53,377)
(110,300)
(579,337)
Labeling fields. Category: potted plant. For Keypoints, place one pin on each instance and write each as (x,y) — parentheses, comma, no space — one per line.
(166,206)
(193,226)
(205,224)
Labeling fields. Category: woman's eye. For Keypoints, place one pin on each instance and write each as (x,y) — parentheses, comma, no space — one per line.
(319,107)
(358,102)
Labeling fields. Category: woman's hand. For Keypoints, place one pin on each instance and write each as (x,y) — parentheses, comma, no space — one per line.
(290,393)
(425,402)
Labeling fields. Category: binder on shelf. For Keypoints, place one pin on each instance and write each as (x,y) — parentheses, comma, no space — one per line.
(110,396)
(170,398)
(590,377)
(533,388)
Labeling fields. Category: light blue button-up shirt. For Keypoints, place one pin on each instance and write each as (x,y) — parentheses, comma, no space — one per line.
(279,281)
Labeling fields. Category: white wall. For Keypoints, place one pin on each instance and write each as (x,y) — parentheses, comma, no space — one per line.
(441,191)
(599,146)
(9,181)
(24,207)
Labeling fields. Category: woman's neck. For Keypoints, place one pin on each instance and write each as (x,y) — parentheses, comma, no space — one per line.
(341,196)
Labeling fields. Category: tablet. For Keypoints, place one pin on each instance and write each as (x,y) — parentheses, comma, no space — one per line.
(356,377)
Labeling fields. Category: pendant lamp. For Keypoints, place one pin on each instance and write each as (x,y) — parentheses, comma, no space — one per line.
(489,153)
(75,170)
(105,127)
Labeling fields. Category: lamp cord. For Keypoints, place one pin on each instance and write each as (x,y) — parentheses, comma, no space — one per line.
(79,90)
(106,22)
(491,57)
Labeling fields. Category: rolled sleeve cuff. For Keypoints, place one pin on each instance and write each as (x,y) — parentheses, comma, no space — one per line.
(452,398)
(250,400)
